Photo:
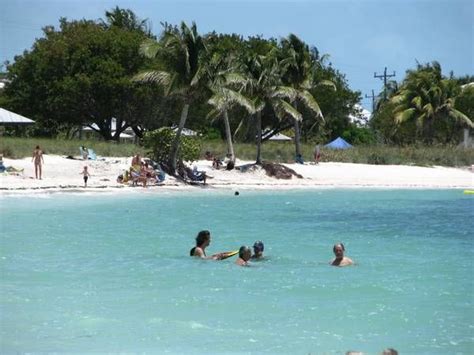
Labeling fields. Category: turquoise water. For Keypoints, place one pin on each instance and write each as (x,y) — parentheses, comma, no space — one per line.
(106,273)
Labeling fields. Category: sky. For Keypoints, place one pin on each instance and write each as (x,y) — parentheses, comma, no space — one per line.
(362,37)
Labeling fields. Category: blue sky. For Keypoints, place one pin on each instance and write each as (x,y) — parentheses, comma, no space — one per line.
(361,37)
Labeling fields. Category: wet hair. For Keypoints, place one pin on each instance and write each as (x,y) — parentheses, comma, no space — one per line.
(243,249)
(236,193)
(258,246)
(37,147)
(390,351)
(202,237)
(335,245)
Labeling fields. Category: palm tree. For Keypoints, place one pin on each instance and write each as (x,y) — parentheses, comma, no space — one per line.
(426,97)
(126,19)
(180,50)
(264,87)
(226,84)
(297,66)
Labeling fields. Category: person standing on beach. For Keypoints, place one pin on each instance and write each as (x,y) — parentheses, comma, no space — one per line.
(317,154)
(38,161)
(85,174)
(203,240)
(340,259)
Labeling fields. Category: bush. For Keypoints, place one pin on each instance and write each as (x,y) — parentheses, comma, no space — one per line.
(160,140)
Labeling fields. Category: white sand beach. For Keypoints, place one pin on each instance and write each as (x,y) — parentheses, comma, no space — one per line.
(60,173)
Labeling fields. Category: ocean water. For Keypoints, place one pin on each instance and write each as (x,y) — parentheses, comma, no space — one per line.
(111,273)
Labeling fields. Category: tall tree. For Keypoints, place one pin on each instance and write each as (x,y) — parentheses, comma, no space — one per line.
(77,75)
(180,52)
(226,82)
(264,85)
(427,97)
(297,67)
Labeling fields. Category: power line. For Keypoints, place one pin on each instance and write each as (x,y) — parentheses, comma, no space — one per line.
(384,76)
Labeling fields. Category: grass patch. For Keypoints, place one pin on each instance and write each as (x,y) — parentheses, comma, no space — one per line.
(281,152)
(17,148)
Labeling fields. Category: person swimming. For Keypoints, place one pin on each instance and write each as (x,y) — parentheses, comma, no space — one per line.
(203,240)
(244,256)
(258,248)
(340,259)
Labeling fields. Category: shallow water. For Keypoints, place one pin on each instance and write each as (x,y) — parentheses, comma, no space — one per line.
(111,273)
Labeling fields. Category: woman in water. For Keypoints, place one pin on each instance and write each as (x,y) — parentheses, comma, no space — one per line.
(38,160)
(203,240)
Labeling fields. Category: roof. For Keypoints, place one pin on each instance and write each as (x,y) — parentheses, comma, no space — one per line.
(8,117)
(277,137)
(113,127)
(185,131)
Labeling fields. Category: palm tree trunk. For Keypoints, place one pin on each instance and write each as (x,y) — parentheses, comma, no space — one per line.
(259,138)
(297,138)
(228,134)
(175,145)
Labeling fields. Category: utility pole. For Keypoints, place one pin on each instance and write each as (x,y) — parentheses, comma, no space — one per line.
(373,100)
(384,76)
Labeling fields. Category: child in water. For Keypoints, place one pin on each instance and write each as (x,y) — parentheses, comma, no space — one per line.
(85,174)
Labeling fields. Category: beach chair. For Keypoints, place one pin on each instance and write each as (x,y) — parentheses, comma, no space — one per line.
(191,175)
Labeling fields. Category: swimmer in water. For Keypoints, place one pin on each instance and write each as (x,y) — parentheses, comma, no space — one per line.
(340,259)
(203,240)
(258,248)
(244,256)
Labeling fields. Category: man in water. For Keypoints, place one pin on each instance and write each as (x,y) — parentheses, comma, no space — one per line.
(340,259)
(258,248)
(244,256)
(203,240)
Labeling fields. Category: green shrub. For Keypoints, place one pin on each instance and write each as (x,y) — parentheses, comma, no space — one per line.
(159,144)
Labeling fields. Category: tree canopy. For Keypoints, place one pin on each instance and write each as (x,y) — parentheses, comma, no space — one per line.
(91,72)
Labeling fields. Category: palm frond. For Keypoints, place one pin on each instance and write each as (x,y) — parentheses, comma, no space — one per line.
(153,76)
(283,108)
(405,115)
(428,109)
(417,102)
(284,92)
(328,83)
(149,48)
(234,97)
(311,103)
(461,117)
(420,121)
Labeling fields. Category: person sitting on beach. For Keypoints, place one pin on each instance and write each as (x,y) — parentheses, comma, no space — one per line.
(244,256)
(258,248)
(38,160)
(208,155)
(216,163)
(340,259)
(203,240)
(198,175)
(136,160)
(85,174)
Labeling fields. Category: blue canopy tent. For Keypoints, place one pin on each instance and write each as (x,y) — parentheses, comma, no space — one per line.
(338,143)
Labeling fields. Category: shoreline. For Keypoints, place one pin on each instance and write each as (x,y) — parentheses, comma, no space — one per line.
(64,175)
